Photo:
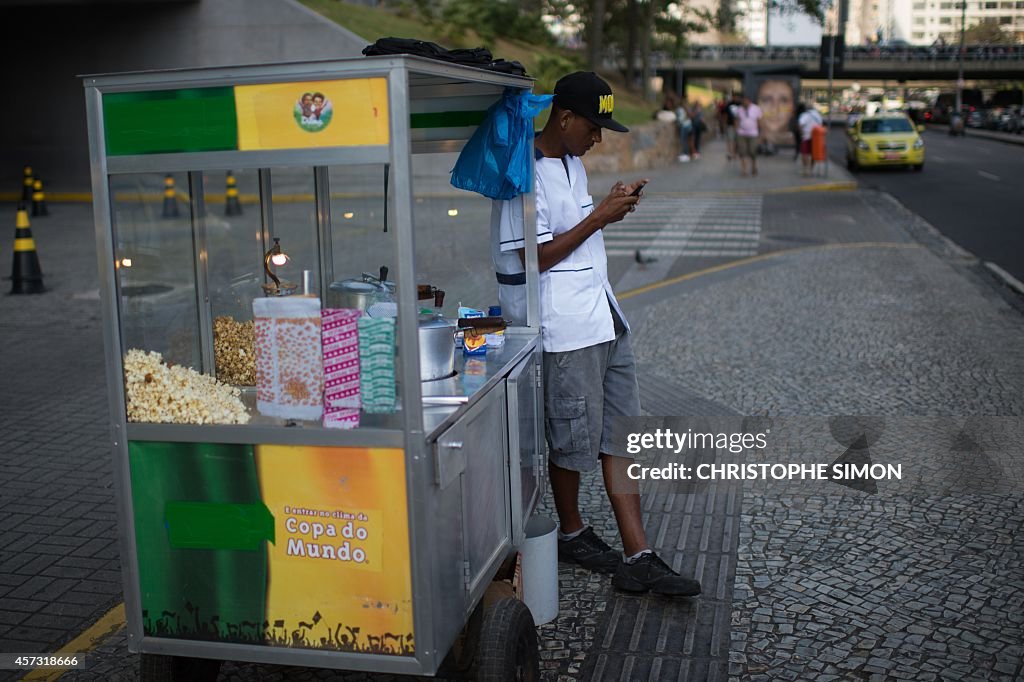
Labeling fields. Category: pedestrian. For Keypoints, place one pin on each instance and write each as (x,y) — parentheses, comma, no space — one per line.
(748,132)
(697,115)
(809,120)
(685,130)
(589,367)
(730,127)
(794,128)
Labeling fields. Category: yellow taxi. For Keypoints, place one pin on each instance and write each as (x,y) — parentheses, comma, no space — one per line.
(884,140)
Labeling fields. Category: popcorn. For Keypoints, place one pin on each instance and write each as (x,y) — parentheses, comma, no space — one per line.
(234,350)
(157,393)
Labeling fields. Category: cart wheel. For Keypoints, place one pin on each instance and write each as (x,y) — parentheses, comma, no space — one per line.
(508,644)
(159,668)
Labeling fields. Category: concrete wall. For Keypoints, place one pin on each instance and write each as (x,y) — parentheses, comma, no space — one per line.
(651,145)
(46,47)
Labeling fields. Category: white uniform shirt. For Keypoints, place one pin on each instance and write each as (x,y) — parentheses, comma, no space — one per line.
(575,295)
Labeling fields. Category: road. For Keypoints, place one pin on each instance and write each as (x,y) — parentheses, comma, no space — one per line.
(970,190)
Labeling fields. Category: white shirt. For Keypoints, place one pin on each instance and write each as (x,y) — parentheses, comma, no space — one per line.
(808,121)
(575,295)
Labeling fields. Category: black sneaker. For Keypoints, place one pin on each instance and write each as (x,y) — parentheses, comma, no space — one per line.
(649,572)
(590,552)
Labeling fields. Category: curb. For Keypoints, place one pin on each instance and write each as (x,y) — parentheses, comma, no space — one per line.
(1007,279)
(982,134)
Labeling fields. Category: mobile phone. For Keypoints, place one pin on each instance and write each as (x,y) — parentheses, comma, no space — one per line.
(636,192)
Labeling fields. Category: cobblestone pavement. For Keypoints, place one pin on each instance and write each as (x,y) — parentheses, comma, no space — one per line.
(872,314)
(836,583)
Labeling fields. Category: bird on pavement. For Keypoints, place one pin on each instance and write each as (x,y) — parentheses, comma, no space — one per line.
(643,260)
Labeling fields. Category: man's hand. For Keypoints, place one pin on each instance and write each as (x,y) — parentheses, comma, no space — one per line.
(617,204)
(612,209)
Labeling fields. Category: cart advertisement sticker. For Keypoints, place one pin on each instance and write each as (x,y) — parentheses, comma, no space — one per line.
(293,546)
(169,121)
(338,113)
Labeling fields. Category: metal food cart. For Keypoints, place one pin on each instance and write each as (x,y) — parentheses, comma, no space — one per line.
(275,539)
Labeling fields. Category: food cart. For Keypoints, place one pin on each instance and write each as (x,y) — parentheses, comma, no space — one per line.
(242,214)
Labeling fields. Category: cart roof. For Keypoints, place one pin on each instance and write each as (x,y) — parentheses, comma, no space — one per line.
(421,72)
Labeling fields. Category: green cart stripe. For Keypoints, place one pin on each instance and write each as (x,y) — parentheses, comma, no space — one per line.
(170,121)
(448,119)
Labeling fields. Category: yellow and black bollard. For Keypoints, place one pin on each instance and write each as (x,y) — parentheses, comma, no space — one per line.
(26,186)
(26,275)
(170,198)
(39,199)
(232,206)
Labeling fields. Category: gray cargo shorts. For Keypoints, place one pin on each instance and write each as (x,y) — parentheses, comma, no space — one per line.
(584,390)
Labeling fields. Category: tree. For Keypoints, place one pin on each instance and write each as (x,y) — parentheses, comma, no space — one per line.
(987,32)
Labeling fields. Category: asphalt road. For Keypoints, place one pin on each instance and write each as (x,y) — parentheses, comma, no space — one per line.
(971,189)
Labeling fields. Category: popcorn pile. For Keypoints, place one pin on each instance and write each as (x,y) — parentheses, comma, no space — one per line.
(178,395)
(234,350)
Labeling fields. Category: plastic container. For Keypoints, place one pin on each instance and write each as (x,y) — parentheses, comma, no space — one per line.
(539,565)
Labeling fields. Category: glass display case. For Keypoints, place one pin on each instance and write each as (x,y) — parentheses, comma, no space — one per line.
(283,262)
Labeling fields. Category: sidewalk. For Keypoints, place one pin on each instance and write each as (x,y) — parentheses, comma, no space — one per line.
(773,303)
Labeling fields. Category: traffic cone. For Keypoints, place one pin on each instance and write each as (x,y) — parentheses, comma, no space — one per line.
(170,200)
(26,275)
(26,189)
(232,206)
(38,199)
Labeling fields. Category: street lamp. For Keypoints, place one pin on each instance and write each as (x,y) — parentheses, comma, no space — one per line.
(960,66)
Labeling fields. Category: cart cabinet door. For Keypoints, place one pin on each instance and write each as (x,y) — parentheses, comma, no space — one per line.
(474,452)
(525,413)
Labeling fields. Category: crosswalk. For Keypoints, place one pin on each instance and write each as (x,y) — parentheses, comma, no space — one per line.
(673,227)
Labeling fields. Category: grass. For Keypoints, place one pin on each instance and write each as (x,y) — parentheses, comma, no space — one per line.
(372,23)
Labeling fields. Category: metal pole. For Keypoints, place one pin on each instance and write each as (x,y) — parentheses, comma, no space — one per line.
(831,73)
(960,66)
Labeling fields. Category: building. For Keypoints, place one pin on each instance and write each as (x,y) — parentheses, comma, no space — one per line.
(752,20)
(932,20)
(924,22)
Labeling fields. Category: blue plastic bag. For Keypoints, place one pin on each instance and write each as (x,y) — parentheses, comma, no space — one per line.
(496,160)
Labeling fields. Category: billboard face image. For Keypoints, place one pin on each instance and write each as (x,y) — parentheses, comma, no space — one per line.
(776,95)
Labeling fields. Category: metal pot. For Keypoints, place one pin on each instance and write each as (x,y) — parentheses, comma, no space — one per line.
(437,348)
(352,293)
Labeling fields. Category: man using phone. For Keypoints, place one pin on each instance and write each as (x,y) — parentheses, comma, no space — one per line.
(589,367)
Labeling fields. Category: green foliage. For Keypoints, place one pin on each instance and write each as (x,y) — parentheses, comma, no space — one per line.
(987,32)
(550,68)
(494,19)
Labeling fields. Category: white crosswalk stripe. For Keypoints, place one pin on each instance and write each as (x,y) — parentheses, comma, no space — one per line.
(674,227)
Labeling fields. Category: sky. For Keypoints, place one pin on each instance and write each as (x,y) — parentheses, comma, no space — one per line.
(794,29)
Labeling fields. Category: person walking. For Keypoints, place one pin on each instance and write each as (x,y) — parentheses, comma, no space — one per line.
(731,148)
(697,116)
(809,120)
(748,132)
(794,128)
(685,131)
(589,366)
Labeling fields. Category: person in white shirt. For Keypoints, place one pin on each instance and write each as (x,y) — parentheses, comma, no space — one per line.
(589,367)
(808,120)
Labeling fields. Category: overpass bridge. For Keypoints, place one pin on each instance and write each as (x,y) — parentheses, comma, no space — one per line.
(981,62)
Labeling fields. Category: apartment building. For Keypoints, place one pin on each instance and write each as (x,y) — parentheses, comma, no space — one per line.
(752,20)
(924,22)
(932,20)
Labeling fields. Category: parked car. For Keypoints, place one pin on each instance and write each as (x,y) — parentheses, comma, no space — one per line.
(975,118)
(885,140)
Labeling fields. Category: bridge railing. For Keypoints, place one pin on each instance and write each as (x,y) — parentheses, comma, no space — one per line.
(811,53)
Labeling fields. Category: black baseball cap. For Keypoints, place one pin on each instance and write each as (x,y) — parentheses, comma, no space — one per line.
(586,94)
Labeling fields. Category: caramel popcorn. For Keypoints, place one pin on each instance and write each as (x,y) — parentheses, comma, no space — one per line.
(157,393)
(234,349)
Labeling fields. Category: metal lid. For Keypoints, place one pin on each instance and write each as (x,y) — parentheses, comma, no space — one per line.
(354,286)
